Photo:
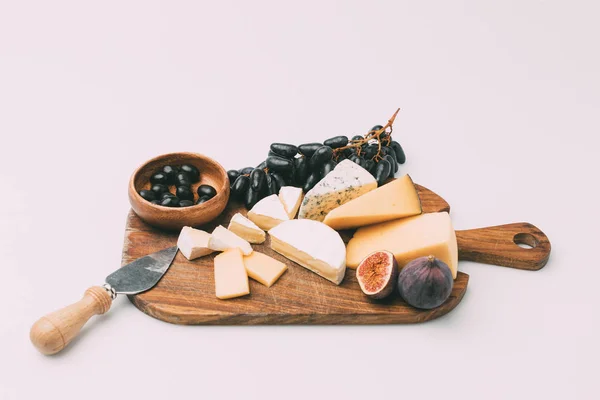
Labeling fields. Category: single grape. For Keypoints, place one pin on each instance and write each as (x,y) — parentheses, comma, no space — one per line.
(382,172)
(322,155)
(250,198)
(241,184)
(284,149)
(308,149)
(393,163)
(262,165)
(336,142)
(311,181)
(232,174)
(277,177)
(279,164)
(258,179)
(246,171)
(400,156)
(300,170)
(357,137)
(327,168)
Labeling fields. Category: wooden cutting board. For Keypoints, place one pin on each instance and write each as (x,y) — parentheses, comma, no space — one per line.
(186,294)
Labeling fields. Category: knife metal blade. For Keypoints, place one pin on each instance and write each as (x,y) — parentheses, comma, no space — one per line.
(143,273)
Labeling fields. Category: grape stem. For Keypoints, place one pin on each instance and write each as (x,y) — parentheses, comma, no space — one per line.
(375,134)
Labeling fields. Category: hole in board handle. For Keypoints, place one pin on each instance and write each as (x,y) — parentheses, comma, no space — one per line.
(525,240)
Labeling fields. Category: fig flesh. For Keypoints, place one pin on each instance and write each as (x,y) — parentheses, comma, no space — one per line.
(425,282)
(377,274)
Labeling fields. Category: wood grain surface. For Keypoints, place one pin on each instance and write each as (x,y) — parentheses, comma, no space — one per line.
(186,294)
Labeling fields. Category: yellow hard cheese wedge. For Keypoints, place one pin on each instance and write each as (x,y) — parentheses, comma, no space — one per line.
(407,239)
(231,279)
(397,199)
(263,268)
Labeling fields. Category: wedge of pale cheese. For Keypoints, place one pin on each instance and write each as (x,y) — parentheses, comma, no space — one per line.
(222,239)
(231,279)
(263,269)
(291,197)
(268,213)
(193,243)
(408,238)
(346,182)
(246,229)
(313,245)
(397,199)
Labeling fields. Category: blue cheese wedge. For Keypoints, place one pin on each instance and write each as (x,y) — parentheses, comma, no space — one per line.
(346,182)
(313,245)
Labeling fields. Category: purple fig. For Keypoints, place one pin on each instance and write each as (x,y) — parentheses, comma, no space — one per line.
(425,282)
(377,274)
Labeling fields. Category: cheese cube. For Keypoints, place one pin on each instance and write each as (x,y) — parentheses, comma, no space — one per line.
(221,239)
(193,243)
(268,213)
(246,229)
(408,238)
(231,279)
(397,199)
(291,197)
(346,182)
(263,268)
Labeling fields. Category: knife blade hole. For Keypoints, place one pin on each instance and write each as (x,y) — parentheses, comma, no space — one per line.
(525,241)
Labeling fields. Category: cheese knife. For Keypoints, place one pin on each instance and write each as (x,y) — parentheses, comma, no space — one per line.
(53,332)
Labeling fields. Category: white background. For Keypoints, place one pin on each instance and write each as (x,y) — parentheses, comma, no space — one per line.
(499,115)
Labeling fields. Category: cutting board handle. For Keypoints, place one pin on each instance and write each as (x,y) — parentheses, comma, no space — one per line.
(499,245)
(52,333)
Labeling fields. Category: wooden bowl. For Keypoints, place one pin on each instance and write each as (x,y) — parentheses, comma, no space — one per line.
(174,218)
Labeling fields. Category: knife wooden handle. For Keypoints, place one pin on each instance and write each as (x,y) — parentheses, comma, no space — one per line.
(499,245)
(52,333)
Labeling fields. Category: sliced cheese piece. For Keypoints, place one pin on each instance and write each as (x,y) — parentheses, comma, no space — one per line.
(193,243)
(222,239)
(268,213)
(246,229)
(263,268)
(313,245)
(397,199)
(407,239)
(291,197)
(231,279)
(346,182)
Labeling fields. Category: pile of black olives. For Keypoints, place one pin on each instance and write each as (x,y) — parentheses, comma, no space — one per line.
(305,165)
(180,178)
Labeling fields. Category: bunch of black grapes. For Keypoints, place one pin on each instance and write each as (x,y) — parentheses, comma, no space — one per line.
(305,165)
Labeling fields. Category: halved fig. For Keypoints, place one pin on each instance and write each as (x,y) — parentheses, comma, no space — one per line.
(377,274)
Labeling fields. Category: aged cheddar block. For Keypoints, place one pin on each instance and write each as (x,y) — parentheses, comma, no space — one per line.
(346,182)
(263,269)
(407,239)
(231,279)
(397,199)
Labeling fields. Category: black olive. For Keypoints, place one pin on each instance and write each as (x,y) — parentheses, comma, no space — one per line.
(284,149)
(300,170)
(206,191)
(170,172)
(250,198)
(258,179)
(184,193)
(311,181)
(186,203)
(158,177)
(320,157)
(246,171)
(358,137)
(202,199)
(232,174)
(393,163)
(148,195)
(279,164)
(308,149)
(157,202)
(382,172)
(241,184)
(327,168)
(277,177)
(166,194)
(336,142)
(192,171)
(170,201)
(159,189)
(183,179)
(400,156)
(262,165)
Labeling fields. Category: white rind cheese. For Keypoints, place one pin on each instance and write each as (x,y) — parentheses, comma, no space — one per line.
(246,229)
(291,197)
(221,239)
(268,213)
(313,245)
(193,243)
(346,182)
